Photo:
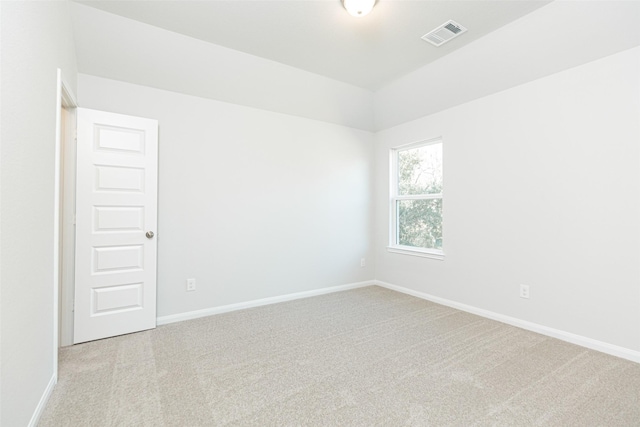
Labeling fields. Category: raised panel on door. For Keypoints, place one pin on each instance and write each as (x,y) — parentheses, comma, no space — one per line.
(116,205)
(113,219)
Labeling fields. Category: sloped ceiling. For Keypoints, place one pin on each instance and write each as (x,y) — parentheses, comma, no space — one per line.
(311,59)
(320,37)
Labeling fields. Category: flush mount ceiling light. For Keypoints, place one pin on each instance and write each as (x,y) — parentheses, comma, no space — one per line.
(358,8)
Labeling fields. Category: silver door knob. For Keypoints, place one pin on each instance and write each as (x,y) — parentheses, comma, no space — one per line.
(149,234)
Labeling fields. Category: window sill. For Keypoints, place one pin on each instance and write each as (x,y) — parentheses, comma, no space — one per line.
(425,253)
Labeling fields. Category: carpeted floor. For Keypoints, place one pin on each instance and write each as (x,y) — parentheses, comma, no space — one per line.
(364,357)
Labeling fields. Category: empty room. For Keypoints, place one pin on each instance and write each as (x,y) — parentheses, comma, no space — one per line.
(320,212)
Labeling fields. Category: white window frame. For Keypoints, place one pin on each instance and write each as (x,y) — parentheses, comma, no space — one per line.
(394,197)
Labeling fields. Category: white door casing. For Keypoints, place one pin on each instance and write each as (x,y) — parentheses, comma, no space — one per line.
(116,208)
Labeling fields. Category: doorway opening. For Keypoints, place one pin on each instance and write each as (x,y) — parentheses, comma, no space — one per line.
(64,211)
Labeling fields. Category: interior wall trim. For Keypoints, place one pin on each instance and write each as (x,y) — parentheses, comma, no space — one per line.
(35,418)
(164,320)
(614,350)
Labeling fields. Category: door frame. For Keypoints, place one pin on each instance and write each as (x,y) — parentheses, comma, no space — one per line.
(64,142)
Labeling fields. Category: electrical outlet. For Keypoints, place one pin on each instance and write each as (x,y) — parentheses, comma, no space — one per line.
(363,262)
(191,285)
(524,291)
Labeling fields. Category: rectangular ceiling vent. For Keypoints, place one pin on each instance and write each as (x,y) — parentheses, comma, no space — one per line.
(444,33)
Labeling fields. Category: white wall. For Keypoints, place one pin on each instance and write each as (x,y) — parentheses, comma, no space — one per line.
(118,48)
(1,65)
(36,40)
(252,203)
(542,187)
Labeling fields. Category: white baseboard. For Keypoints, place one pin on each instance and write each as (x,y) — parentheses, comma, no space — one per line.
(35,418)
(163,320)
(580,340)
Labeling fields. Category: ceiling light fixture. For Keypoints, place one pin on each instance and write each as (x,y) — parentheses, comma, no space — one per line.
(358,8)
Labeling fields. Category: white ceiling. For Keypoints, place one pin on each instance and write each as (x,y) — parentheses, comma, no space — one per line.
(320,37)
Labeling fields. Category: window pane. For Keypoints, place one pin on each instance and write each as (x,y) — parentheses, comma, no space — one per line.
(420,223)
(420,170)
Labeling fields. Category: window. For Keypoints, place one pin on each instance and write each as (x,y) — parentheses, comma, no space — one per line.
(416,199)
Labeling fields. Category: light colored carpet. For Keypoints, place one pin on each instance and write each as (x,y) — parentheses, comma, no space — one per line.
(364,357)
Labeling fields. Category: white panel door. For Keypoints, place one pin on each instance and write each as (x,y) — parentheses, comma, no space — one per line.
(116,218)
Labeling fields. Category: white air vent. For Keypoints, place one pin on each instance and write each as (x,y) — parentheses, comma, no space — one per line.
(444,33)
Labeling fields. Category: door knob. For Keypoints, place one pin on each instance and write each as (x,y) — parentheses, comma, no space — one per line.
(149,234)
